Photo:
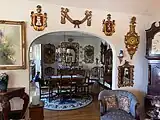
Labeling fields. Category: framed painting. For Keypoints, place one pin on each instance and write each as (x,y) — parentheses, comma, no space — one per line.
(12,45)
(125,75)
(88,54)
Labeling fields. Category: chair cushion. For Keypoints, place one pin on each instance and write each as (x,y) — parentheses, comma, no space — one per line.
(117,114)
(110,102)
(124,103)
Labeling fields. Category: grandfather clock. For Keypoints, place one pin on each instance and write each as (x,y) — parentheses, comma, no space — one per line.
(153,56)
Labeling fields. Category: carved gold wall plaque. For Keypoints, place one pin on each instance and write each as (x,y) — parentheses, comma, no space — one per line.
(108,26)
(64,16)
(132,38)
(125,75)
(38,20)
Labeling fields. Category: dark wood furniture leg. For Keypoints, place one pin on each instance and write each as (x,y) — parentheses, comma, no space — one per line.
(6,109)
(25,97)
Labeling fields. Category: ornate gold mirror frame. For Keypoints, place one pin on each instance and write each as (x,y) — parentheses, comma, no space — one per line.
(70,44)
(125,75)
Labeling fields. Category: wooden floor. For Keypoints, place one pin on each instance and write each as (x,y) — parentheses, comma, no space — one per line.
(90,112)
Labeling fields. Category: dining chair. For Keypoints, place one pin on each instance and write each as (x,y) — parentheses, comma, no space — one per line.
(65,84)
(83,84)
(43,88)
(53,88)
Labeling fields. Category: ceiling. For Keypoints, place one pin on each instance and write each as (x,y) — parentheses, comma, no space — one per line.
(147,7)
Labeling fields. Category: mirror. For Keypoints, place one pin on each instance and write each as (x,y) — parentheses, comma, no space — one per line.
(125,75)
(70,56)
(70,52)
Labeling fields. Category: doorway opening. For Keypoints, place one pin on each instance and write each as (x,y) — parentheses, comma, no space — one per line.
(78,61)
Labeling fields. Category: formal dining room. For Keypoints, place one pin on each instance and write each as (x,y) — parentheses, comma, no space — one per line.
(79,60)
(67,70)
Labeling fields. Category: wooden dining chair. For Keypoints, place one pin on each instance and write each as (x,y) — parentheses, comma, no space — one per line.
(65,84)
(44,82)
(83,87)
(83,84)
(43,88)
(53,88)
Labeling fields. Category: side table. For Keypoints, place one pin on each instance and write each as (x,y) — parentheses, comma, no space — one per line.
(9,94)
(36,111)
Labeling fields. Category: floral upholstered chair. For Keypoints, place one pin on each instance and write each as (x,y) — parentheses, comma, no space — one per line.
(118,105)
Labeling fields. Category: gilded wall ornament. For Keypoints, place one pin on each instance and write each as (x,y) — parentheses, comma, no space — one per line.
(125,75)
(88,54)
(108,26)
(39,20)
(64,16)
(132,38)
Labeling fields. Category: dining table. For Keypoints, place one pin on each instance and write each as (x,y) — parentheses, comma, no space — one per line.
(65,77)
(75,79)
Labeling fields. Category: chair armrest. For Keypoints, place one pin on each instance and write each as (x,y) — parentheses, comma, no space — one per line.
(102,107)
(133,107)
(137,109)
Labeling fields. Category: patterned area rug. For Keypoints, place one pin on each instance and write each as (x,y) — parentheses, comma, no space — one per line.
(67,104)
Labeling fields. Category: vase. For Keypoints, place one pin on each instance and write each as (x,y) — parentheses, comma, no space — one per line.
(4,84)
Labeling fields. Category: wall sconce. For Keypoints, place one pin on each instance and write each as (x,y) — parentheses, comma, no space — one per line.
(121,55)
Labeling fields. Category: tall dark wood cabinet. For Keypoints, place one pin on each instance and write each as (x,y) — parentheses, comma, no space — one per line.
(106,60)
(153,56)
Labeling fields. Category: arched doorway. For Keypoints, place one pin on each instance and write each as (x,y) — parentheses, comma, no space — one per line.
(72,50)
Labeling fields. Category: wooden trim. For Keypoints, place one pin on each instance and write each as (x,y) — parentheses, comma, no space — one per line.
(137,116)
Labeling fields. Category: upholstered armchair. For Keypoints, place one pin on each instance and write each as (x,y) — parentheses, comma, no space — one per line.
(118,113)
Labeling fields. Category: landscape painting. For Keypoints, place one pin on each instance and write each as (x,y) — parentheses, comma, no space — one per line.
(12,45)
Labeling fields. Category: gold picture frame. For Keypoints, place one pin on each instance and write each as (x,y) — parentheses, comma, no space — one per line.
(125,75)
(12,45)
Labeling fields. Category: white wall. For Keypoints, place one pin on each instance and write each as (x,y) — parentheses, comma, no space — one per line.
(147,7)
(20,10)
